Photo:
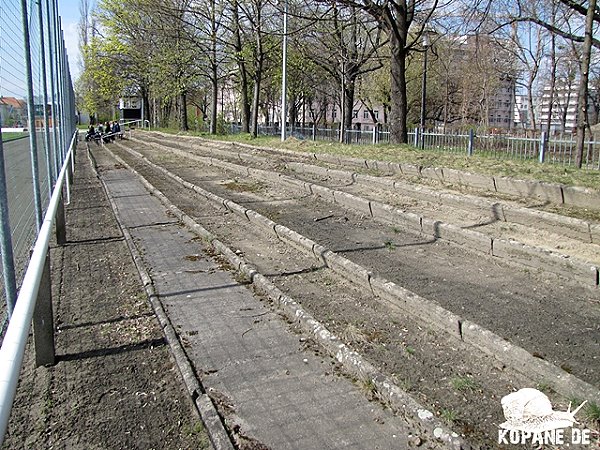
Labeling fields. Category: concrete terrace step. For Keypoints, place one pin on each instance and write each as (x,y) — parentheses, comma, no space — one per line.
(269,388)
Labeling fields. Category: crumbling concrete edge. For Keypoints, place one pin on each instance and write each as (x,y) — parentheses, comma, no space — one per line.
(206,409)
(401,299)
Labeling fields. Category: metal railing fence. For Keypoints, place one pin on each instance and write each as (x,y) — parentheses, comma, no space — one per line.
(37,126)
(558,149)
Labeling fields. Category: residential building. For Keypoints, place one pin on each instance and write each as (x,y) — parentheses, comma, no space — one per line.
(13,112)
(563,118)
(521,112)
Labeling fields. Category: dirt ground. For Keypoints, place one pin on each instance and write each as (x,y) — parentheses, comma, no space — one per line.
(115,385)
(518,304)
(458,384)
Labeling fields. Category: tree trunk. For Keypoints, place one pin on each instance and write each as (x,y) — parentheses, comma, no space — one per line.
(349,92)
(146,103)
(583,83)
(214,73)
(237,46)
(398,110)
(255,104)
(259,58)
(183,126)
(214,100)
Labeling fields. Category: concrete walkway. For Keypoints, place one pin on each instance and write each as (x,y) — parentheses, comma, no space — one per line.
(271,389)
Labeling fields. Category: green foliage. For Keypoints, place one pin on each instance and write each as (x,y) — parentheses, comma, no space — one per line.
(449,415)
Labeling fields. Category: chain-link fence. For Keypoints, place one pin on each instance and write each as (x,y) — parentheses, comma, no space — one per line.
(37,118)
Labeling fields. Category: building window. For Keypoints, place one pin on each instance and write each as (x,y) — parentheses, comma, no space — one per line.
(333,114)
(365,114)
(355,115)
(376,114)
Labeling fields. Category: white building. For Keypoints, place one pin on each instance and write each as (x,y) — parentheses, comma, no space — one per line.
(564,107)
(521,113)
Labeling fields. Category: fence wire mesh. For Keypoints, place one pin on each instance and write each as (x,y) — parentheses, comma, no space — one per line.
(35,95)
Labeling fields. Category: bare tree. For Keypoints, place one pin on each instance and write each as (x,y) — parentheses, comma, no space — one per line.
(404,22)
(582,110)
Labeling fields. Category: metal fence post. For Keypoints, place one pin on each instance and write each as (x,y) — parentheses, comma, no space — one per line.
(471,142)
(53,75)
(37,198)
(416,137)
(61,223)
(375,134)
(6,245)
(43,321)
(314,132)
(48,153)
(543,144)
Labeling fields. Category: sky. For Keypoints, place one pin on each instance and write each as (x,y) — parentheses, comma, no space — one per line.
(69,12)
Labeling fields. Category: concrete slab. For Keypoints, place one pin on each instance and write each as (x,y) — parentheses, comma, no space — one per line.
(469,179)
(549,192)
(278,393)
(137,207)
(581,197)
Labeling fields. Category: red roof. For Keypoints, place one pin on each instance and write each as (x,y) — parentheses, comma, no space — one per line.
(14,102)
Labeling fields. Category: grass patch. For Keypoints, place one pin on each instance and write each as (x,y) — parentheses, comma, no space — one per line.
(197,432)
(592,412)
(463,384)
(13,136)
(449,416)
(486,165)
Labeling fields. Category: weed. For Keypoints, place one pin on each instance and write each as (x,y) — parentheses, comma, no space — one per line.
(448,415)
(544,387)
(592,412)
(574,402)
(405,384)
(241,278)
(389,245)
(463,384)
(198,432)
(410,350)
(369,386)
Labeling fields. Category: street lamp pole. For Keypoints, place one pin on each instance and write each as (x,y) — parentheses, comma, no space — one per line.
(284,74)
(424,88)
